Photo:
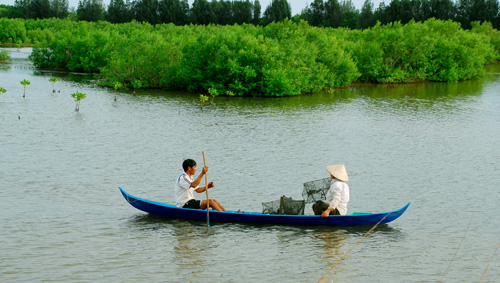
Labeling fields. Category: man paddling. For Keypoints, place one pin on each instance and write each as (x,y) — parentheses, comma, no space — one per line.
(337,196)
(185,186)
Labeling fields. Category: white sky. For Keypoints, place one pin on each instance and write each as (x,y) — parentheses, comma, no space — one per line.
(297,5)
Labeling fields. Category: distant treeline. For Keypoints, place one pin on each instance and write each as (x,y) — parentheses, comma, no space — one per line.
(321,13)
(284,58)
(331,13)
(202,12)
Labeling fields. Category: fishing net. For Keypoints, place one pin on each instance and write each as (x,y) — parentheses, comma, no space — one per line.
(285,205)
(316,190)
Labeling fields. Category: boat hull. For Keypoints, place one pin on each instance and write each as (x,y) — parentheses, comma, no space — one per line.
(172,211)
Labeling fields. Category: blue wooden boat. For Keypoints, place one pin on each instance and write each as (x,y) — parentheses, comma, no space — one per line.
(172,211)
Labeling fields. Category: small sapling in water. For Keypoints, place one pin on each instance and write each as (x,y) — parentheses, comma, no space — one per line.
(53,81)
(203,99)
(136,84)
(78,96)
(25,83)
(117,86)
(213,92)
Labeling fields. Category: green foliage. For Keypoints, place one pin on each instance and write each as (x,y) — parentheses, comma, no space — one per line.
(280,59)
(2,90)
(489,34)
(53,81)
(25,83)
(117,85)
(81,49)
(213,92)
(119,12)
(434,50)
(136,84)
(90,10)
(5,10)
(203,99)
(78,96)
(40,9)
(4,55)
(278,10)
(366,17)
(12,31)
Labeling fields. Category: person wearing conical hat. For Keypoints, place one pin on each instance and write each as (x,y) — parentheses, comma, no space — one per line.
(337,196)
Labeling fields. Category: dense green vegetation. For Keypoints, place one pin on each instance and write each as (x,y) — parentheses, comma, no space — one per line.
(284,58)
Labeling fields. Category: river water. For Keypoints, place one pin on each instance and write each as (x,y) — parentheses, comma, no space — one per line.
(63,219)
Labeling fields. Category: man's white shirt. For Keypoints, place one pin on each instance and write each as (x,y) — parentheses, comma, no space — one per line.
(183,191)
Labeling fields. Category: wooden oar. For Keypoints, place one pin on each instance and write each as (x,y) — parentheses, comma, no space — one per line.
(206,189)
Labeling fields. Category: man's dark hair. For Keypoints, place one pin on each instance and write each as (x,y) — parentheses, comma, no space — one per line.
(188,163)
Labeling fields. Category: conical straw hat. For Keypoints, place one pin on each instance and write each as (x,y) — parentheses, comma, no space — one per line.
(338,171)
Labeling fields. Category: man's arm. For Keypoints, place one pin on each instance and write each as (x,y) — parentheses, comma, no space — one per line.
(202,189)
(197,181)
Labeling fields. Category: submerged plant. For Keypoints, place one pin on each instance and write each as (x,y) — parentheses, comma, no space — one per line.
(213,92)
(25,83)
(117,86)
(54,81)
(78,96)
(4,55)
(2,90)
(229,94)
(136,84)
(203,99)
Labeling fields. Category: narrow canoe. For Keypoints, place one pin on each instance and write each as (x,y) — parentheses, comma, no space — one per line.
(172,211)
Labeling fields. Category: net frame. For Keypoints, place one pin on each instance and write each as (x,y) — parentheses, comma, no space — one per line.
(316,190)
(284,206)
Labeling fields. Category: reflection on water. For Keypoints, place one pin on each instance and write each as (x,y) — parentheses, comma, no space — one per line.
(191,241)
(332,243)
(192,248)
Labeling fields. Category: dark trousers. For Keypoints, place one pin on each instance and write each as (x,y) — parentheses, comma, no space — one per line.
(320,206)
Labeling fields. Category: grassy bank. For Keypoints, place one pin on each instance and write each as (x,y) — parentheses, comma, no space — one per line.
(280,59)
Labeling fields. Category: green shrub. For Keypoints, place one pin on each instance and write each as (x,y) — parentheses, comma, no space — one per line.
(12,31)
(4,55)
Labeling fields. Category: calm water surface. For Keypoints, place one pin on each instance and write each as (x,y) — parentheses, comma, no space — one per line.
(63,219)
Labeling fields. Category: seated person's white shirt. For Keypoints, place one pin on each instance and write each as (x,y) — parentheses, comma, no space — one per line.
(338,196)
